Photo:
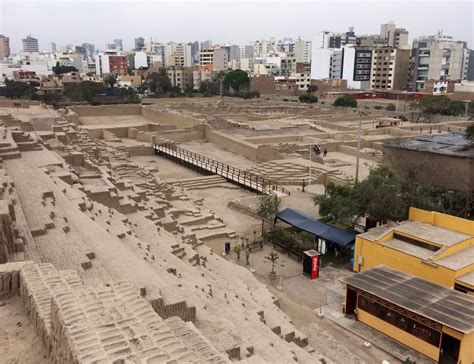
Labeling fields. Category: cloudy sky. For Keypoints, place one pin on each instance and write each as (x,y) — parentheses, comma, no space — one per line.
(239,22)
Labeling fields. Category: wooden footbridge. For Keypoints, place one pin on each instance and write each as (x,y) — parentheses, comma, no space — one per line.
(210,166)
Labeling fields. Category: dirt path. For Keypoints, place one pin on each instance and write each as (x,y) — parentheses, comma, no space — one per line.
(327,337)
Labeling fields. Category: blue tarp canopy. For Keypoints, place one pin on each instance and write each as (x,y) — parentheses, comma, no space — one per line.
(318,228)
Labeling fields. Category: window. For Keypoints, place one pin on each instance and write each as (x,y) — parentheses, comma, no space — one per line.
(399,320)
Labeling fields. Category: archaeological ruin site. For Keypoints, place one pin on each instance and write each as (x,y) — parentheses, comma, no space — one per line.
(114,220)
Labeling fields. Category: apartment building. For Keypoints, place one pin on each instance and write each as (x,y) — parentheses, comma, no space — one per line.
(390,69)
(178,54)
(215,59)
(4,47)
(302,51)
(181,77)
(287,65)
(436,57)
(111,62)
(30,44)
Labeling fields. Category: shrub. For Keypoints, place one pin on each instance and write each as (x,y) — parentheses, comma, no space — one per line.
(308,99)
(345,101)
(391,107)
(378,107)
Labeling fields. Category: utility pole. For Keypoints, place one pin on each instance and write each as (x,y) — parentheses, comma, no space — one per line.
(358,146)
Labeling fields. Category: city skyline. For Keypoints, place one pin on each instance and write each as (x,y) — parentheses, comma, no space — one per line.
(243,27)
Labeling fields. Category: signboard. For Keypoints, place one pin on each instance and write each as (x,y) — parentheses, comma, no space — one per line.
(311,263)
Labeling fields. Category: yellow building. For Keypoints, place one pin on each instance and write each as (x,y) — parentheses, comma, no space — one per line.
(430,245)
(433,320)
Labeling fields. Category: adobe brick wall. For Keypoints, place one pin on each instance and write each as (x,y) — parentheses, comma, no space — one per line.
(107,110)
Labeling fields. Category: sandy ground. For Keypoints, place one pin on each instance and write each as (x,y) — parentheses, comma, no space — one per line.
(300,298)
(19,343)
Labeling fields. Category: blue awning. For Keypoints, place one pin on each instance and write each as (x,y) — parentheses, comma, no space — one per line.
(316,227)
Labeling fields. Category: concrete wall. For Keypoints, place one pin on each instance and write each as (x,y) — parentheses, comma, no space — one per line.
(450,172)
(107,110)
(165,117)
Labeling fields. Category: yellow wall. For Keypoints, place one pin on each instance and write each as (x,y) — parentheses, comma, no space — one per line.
(466,352)
(375,254)
(442,220)
(399,335)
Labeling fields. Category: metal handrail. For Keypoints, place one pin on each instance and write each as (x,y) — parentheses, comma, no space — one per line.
(266,184)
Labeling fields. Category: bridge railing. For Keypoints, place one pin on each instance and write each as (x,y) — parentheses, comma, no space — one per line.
(249,179)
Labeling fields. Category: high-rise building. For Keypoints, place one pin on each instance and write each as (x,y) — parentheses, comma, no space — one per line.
(4,47)
(195,51)
(234,52)
(139,44)
(302,51)
(401,38)
(214,59)
(89,50)
(470,67)
(246,51)
(111,62)
(110,47)
(178,54)
(338,40)
(387,32)
(390,69)
(30,44)
(206,45)
(118,44)
(52,47)
(434,58)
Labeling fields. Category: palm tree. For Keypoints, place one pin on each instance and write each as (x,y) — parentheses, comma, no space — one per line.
(272,257)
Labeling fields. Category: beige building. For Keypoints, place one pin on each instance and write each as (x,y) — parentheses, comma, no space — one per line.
(216,59)
(181,77)
(436,57)
(4,47)
(390,69)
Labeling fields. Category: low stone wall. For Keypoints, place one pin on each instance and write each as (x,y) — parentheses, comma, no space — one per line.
(107,110)
(232,144)
(165,117)
(197,132)
(7,103)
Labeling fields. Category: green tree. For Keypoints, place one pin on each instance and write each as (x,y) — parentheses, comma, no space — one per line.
(272,257)
(20,90)
(84,91)
(238,80)
(346,101)
(391,107)
(209,88)
(383,195)
(111,80)
(430,105)
(268,206)
(454,108)
(60,69)
(158,82)
(308,99)
(339,203)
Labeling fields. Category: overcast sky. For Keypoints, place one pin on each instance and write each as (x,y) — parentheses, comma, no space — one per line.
(239,22)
